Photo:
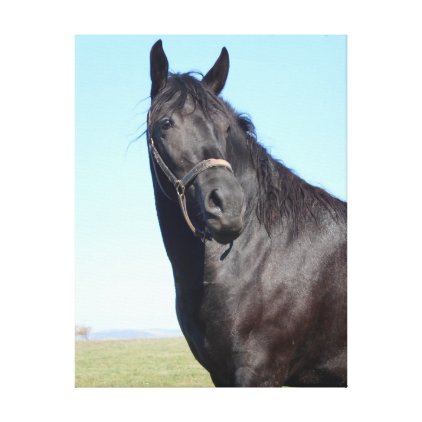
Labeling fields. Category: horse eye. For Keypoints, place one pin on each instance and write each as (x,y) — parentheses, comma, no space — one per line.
(166,124)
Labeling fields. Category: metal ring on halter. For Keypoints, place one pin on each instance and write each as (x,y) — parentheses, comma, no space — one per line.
(180,188)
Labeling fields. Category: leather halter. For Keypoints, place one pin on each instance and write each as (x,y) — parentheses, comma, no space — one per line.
(180,185)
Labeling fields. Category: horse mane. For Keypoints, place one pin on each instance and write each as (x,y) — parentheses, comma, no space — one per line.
(282,195)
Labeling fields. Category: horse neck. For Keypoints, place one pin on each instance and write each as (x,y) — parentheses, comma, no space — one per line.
(183,249)
(241,159)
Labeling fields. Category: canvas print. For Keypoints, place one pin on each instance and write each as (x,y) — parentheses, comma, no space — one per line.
(212,238)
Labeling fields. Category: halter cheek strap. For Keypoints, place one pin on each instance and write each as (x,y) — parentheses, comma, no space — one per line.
(181,184)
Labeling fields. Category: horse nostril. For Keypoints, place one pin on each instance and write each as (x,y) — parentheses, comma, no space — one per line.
(214,201)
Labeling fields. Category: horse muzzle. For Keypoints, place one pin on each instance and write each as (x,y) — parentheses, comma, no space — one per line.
(223,205)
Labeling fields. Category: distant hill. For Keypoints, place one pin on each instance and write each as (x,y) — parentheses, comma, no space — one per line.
(133,334)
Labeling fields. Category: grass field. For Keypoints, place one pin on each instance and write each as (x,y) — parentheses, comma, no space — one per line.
(138,363)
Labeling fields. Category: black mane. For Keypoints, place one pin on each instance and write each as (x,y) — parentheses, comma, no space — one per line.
(282,195)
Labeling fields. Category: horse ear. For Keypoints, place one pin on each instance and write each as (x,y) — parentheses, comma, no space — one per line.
(159,67)
(217,76)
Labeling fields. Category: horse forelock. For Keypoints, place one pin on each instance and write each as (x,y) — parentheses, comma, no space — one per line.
(180,88)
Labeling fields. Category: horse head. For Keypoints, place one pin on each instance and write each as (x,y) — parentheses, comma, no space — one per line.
(188,133)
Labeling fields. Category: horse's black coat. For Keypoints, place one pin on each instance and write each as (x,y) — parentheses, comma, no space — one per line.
(264,302)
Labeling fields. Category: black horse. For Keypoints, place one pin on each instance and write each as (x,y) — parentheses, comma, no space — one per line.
(258,254)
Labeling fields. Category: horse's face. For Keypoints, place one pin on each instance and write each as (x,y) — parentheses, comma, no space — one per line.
(186,136)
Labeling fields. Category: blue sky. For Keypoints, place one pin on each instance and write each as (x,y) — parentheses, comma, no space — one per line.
(293,88)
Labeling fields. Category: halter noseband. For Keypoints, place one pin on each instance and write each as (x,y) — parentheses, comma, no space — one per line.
(181,184)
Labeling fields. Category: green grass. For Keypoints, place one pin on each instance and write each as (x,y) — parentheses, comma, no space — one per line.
(138,363)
